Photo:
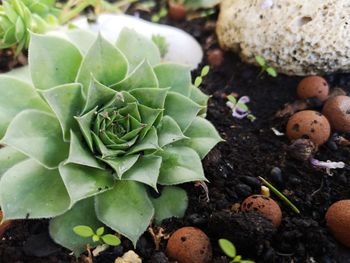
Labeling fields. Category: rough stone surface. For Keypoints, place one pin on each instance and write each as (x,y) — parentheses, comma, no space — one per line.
(297,37)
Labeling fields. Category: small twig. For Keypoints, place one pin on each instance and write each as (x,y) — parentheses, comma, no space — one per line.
(280,195)
(319,189)
(204,186)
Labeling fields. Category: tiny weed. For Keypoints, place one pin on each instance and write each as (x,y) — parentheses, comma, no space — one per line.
(265,68)
(199,80)
(97,236)
(162,13)
(239,108)
(230,250)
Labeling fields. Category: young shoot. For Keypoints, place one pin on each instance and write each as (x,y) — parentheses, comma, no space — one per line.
(265,67)
(239,108)
(280,195)
(162,44)
(162,13)
(97,236)
(199,80)
(230,250)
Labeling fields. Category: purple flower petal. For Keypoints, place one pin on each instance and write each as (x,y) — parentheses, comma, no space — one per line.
(239,115)
(230,104)
(239,110)
(244,100)
(327,165)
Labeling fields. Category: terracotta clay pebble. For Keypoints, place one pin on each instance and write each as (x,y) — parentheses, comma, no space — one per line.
(189,245)
(313,87)
(337,111)
(309,124)
(265,206)
(215,57)
(338,221)
(177,12)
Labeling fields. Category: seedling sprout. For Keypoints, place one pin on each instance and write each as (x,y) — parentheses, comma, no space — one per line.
(97,236)
(265,67)
(239,108)
(199,79)
(230,250)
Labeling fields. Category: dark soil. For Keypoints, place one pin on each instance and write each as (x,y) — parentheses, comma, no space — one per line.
(251,150)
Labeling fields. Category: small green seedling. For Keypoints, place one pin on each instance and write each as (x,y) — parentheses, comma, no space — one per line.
(280,195)
(162,44)
(162,13)
(230,250)
(98,236)
(199,79)
(265,68)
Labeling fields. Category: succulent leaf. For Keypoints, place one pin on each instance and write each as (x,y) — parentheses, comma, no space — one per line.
(100,61)
(180,165)
(16,96)
(66,101)
(82,39)
(97,94)
(137,48)
(58,58)
(82,181)
(202,136)
(182,109)
(145,170)
(43,141)
(78,153)
(169,131)
(175,76)
(126,209)
(200,98)
(172,203)
(122,164)
(9,157)
(37,197)
(153,98)
(143,76)
(61,227)
(115,125)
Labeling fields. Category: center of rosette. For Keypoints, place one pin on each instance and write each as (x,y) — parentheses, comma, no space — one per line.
(116,130)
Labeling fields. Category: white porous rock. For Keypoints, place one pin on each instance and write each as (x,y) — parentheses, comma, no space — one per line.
(296,37)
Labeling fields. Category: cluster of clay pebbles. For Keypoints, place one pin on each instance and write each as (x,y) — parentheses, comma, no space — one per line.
(317,126)
(191,245)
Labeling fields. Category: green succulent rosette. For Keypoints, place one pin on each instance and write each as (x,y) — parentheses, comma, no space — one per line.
(94,128)
(17,17)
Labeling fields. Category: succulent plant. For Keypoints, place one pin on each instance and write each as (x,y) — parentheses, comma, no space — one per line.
(99,127)
(17,17)
(20,17)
